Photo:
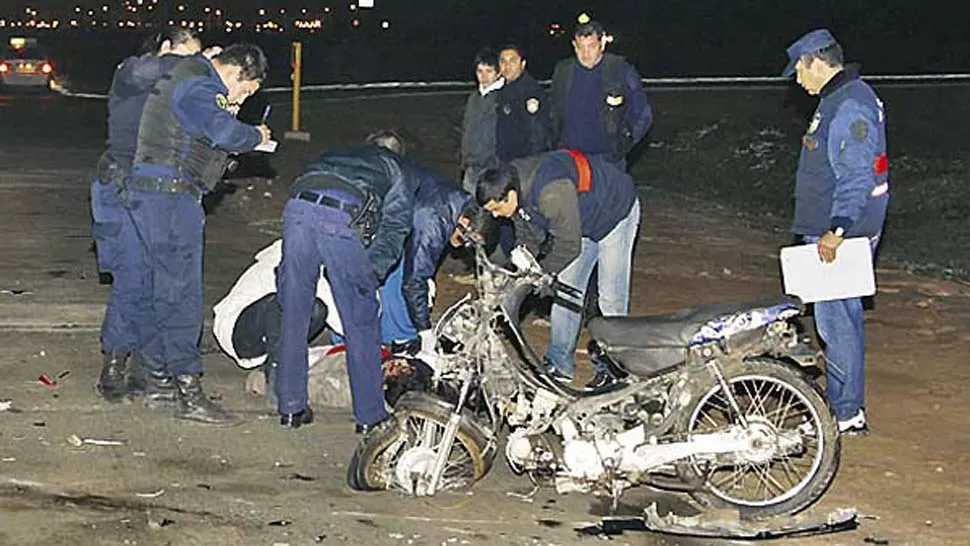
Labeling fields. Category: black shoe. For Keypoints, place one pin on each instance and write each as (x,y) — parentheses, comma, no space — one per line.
(160,392)
(297,420)
(136,381)
(554,372)
(601,380)
(194,405)
(410,347)
(364,430)
(111,384)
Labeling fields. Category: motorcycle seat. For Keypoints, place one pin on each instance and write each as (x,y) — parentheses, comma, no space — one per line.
(646,346)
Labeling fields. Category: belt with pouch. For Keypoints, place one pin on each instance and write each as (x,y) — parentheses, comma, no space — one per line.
(164,185)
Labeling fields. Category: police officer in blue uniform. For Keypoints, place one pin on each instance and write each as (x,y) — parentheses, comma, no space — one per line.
(186,132)
(351,211)
(574,213)
(127,318)
(841,191)
(598,102)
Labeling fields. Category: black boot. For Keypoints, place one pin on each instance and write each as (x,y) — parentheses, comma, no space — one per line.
(136,376)
(111,385)
(159,390)
(194,405)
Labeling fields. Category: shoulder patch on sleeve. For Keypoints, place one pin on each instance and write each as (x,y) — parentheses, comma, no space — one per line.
(859,129)
(222,101)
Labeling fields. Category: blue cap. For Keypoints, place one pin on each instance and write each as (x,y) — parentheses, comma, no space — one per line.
(812,42)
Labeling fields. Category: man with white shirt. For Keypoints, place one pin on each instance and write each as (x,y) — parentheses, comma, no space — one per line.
(478,143)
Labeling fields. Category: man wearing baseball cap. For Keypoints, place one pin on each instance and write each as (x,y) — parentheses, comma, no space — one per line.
(841,191)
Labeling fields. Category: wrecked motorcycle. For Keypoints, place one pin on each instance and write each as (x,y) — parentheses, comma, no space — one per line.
(714,401)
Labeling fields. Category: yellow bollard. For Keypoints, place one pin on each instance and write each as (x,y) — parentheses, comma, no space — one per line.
(296,63)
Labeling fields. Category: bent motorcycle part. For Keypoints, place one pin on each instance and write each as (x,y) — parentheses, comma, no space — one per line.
(383,460)
(706,525)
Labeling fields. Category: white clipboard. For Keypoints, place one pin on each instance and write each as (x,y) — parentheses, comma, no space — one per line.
(851,275)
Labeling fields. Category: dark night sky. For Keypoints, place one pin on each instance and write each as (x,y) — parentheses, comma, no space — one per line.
(663,37)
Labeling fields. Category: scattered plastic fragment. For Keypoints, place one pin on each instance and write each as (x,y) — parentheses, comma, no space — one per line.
(152,495)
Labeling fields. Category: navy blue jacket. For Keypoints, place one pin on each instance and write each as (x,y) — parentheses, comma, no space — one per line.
(602,110)
(842,178)
(199,111)
(523,126)
(132,81)
(378,171)
(553,217)
(438,204)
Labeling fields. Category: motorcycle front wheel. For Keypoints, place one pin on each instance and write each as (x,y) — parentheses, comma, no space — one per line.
(401,457)
(793,441)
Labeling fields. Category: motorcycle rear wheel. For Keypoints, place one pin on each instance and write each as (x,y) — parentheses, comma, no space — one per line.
(385,460)
(776,399)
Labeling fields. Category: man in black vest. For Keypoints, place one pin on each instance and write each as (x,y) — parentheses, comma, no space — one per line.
(598,102)
(186,132)
(127,316)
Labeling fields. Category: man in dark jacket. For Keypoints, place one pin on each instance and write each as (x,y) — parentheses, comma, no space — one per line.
(247,320)
(598,102)
(351,211)
(523,112)
(186,132)
(575,213)
(128,315)
(478,122)
(841,191)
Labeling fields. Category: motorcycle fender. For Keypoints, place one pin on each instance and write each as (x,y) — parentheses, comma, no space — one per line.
(417,400)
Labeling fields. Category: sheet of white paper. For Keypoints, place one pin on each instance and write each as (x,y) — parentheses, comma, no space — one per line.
(269,147)
(850,276)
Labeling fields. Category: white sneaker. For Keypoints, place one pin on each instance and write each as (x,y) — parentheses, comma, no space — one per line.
(855,426)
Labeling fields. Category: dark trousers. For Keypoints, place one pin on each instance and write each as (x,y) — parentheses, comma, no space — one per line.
(128,315)
(170,229)
(315,235)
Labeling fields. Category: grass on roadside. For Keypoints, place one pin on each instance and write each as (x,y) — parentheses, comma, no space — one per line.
(736,148)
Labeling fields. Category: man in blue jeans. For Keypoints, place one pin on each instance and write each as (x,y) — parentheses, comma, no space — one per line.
(841,191)
(350,211)
(574,212)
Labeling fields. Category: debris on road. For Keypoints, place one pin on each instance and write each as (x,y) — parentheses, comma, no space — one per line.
(525,497)
(77,441)
(45,380)
(153,495)
(280,523)
(6,405)
(16,292)
(159,524)
(714,525)
(871,539)
(299,477)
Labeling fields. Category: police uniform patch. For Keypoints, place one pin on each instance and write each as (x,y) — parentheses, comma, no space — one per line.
(222,101)
(810,142)
(506,109)
(532,105)
(614,100)
(859,129)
